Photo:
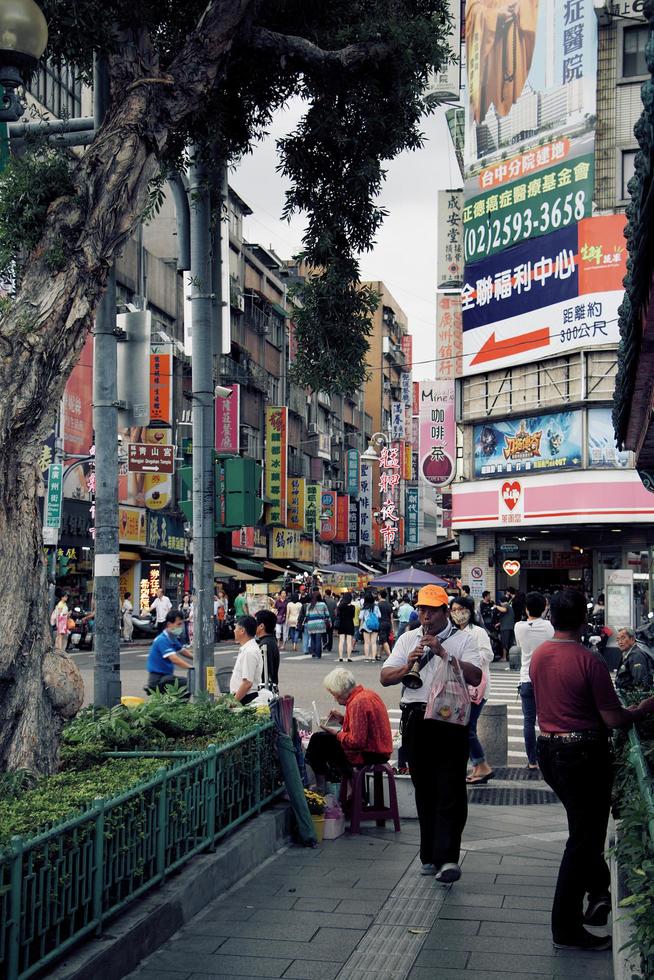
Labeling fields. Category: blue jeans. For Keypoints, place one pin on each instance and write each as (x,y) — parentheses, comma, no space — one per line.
(305,640)
(475,750)
(529,720)
(315,644)
(401,627)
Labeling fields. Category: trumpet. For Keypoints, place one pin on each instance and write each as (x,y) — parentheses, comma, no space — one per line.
(412,678)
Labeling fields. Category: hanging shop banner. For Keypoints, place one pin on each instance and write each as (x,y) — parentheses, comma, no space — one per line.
(243,539)
(328,513)
(353,521)
(603,452)
(313,505)
(132,525)
(342,519)
(165,533)
(545,188)
(156,488)
(406,455)
(449,339)
(530,66)
(161,384)
(365,505)
(437,433)
(286,544)
(389,490)
(449,245)
(295,515)
(77,417)
(352,472)
(275,463)
(397,420)
(405,387)
(228,418)
(445,84)
(530,445)
(411,526)
(555,294)
(407,350)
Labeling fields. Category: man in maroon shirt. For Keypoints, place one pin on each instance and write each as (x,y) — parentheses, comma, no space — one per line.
(577,707)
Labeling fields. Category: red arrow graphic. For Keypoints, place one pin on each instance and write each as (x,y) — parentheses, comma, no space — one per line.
(493,350)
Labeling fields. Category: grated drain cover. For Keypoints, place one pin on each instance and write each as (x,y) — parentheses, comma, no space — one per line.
(518,773)
(510,796)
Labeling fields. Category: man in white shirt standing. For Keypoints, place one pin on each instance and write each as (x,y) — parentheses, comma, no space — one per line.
(161,607)
(528,636)
(248,670)
(437,751)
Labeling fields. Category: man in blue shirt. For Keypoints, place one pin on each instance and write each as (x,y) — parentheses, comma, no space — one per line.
(166,652)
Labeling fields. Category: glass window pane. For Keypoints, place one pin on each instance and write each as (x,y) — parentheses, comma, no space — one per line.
(634,41)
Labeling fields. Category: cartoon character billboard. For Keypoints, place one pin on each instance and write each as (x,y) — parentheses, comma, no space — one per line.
(528,445)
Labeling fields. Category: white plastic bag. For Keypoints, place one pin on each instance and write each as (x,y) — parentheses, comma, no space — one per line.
(449,699)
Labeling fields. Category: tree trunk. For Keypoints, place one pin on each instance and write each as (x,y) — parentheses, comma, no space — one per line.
(41,338)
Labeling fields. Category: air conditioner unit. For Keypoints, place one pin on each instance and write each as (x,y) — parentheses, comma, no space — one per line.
(240,302)
(312,429)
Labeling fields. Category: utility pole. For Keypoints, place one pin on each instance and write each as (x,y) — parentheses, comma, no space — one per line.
(106,674)
(202,412)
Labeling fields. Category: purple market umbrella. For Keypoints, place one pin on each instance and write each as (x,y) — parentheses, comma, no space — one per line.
(411,576)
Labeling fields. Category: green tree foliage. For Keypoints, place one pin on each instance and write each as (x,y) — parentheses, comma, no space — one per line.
(361,68)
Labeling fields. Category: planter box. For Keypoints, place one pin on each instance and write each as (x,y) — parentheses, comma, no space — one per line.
(626,962)
(334,827)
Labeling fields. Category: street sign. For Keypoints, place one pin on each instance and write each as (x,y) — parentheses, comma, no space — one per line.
(55,495)
(147,458)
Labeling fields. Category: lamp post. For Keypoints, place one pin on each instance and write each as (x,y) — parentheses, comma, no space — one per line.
(23,39)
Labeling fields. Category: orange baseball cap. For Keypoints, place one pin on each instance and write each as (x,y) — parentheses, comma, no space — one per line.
(433,595)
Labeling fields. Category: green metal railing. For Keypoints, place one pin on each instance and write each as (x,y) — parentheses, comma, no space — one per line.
(63,885)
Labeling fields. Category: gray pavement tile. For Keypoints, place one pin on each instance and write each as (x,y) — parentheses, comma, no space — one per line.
(537,930)
(600,968)
(312,920)
(493,915)
(224,966)
(487,944)
(363,906)
(480,860)
(461,896)
(256,928)
(312,970)
(308,904)
(525,881)
(236,910)
(527,902)
(424,973)
(302,889)
(453,927)
(164,974)
(514,962)
(376,881)
(525,888)
(448,959)
(474,878)
(200,944)
(324,950)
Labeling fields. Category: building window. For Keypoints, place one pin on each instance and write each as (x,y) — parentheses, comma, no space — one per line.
(58,89)
(627,162)
(634,40)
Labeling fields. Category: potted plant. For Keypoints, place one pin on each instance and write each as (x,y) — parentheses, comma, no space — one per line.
(316,803)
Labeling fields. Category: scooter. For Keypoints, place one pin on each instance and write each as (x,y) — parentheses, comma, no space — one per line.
(596,635)
(145,627)
(81,637)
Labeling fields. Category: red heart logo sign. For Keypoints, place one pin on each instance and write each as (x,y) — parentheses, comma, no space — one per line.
(511,567)
(511,494)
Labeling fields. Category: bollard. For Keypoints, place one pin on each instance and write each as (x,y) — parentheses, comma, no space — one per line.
(492,729)
(515,658)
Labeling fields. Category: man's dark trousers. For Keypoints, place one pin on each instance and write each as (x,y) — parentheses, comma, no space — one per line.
(437,754)
(581,775)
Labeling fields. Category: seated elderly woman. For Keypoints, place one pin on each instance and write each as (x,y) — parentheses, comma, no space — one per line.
(362,736)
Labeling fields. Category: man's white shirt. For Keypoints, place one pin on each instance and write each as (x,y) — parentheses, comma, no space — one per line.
(459,644)
(248,666)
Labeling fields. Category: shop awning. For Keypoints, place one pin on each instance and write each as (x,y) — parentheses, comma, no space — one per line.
(431,552)
(222,571)
(246,565)
(280,309)
(270,566)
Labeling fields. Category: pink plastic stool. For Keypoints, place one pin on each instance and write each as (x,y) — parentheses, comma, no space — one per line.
(377,810)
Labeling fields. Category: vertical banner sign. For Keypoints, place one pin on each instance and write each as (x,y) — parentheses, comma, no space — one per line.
(406,461)
(353,521)
(328,514)
(405,386)
(397,420)
(407,350)
(55,495)
(449,335)
(352,473)
(296,504)
(446,83)
(228,417)
(449,254)
(411,528)
(275,463)
(161,384)
(389,481)
(437,444)
(313,506)
(416,398)
(365,506)
(342,519)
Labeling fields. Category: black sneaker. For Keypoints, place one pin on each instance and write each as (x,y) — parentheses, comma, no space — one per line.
(586,941)
(597,913)
(448,873)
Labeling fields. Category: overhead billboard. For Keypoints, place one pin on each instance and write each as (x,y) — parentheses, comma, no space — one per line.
(544,297)
(528,445)
(603,452)
(531,68)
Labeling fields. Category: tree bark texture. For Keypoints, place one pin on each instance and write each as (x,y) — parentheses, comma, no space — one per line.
(40,342)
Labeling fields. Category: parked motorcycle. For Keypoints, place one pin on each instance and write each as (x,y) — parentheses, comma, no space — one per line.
(81,636)
(596,635)
(145,627)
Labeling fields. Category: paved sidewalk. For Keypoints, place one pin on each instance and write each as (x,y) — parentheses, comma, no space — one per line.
(357,909)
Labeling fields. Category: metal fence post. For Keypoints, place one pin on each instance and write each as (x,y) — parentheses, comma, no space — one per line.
(16,885)
(98,858)
(162,817)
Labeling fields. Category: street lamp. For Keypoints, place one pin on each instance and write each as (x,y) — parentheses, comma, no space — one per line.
(23,39)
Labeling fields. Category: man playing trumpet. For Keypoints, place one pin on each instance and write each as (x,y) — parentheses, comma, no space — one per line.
(437,752)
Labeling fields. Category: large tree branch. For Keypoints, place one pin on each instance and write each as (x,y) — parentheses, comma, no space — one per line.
(309,55)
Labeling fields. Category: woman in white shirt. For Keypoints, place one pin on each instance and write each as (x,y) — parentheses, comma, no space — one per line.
(462,611)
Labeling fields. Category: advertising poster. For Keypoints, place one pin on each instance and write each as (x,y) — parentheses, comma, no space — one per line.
(557,293)
(365,505)
(603,453)
(446,83)
(275,463)
(295,514)
(531,65)
(328,515)
(313,505)
(342,519)
(228,422)
(161,384)
(437,433)
(132,525)
(77,422)
(411,527)
(449,245)
(449,341)
(530,445)
(352,472)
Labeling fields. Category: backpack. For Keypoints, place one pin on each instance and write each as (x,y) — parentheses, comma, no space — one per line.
(372,620)
(636,670)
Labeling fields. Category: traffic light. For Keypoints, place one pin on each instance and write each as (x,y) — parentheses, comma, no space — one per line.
(186,498)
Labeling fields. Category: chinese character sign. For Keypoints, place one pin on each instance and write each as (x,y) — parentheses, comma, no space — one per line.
(405,387)
(228,422)
(397,420)
(365,505)
(313,506)
(437,433)
(55,495)
(389,481)
(449,256)
(411,524)
(296,503)
(285,544)
(407,350)
(275,463)
(449,337)
(352,472)
(353,521)
(446,82)
(161,384)
(328,515)
(342,519)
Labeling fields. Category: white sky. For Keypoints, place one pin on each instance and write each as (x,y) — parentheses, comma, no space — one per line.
(404,257)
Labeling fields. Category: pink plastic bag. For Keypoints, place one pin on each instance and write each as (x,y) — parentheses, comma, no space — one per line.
(449,699)
(477,692)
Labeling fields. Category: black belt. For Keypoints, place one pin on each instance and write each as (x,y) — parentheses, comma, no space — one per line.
(572,737)
(413,706)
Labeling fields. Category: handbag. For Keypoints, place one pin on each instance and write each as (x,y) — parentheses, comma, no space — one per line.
(449,699)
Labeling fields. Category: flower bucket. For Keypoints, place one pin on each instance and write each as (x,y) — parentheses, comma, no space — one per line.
(318,826)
